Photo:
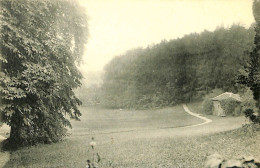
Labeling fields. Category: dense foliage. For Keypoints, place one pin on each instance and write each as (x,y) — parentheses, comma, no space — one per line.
(231,107)
(207,104)
(41,42)
(177,71)
(250,74)
(90,93)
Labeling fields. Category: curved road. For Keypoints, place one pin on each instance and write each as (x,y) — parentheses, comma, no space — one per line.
(196,115)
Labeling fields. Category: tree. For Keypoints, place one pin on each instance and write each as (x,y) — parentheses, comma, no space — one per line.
(177,71)
(41,44)
(250,75)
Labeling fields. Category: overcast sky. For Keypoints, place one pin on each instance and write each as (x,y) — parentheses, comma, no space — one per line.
(119,25)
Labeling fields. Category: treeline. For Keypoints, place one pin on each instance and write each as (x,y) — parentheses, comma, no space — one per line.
(90,91)
(177,71)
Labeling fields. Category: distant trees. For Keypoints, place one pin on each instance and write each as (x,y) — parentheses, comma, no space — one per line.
(250,74)
(41,42)
(177,71)
(89,95)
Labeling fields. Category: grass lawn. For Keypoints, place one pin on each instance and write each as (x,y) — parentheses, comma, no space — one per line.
(100,120)
(196,106)
(131,144)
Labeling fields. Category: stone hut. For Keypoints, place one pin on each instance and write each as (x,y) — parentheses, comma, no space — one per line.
(217,108)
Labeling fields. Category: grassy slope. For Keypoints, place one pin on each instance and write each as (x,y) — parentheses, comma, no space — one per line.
(134,152)
(196,107)
(100,120)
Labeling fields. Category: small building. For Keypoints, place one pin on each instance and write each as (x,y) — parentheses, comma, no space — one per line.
(217,108)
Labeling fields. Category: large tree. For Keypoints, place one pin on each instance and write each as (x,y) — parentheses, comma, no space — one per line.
(250,75)
(41,44)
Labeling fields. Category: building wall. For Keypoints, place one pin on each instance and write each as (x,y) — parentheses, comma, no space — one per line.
(218,111)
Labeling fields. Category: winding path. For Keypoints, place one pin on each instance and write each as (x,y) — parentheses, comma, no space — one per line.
(196,115)
(209,125)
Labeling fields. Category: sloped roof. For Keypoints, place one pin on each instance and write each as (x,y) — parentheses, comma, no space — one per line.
(227,95)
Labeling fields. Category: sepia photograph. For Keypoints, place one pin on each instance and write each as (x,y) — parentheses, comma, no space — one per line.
(130,84)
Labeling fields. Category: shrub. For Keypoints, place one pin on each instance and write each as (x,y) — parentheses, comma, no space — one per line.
(252,116)
(248,101)
(207,106)
(230,106)
(249,107)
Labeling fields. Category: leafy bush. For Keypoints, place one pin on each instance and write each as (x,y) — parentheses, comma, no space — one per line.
(252,116)
(230,107)
(248,101)
(249,107)
(207,106)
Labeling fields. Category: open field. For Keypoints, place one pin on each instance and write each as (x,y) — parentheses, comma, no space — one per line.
(148,138)
(98,120)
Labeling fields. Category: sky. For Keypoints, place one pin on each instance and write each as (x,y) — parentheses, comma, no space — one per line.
(116,26)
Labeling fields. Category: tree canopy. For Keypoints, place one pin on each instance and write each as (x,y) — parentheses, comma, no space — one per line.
(250,74)
(41,44)
(177,71)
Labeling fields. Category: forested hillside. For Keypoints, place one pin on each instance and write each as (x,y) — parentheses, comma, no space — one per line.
(177,71)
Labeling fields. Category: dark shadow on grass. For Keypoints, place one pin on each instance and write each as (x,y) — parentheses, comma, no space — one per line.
(12,147)
(13,162)
(4,154)
(8,146)
(27,156)
(10,162)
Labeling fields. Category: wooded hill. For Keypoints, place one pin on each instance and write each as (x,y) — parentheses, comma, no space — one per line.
(178,70)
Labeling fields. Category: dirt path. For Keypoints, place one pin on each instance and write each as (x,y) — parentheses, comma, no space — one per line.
(196,115)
